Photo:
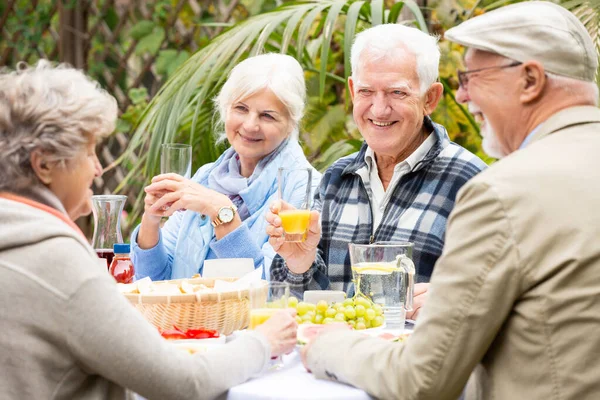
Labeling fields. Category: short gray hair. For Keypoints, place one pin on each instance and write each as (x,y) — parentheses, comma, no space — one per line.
(56,110)
(381,41)
(279,73)
(574,87)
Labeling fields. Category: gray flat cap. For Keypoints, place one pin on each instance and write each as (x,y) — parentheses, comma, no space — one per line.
(533,30)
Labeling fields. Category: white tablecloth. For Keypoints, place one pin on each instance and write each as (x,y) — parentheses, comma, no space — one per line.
(293,382)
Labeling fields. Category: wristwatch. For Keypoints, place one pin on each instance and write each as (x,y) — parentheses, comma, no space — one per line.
(225,215)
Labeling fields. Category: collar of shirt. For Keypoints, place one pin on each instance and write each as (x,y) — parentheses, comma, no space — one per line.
(411,161)
(529,137)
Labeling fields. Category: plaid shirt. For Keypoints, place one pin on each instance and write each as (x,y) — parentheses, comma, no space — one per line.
(417,212)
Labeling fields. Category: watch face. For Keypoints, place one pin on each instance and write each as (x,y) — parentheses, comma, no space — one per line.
(226,214)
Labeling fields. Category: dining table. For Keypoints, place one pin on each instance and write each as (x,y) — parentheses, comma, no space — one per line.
(292,382)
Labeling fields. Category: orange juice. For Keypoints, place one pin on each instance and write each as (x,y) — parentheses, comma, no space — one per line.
(295,221)
(259,316)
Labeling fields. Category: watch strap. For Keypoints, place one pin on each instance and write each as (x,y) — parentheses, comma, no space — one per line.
(217,221)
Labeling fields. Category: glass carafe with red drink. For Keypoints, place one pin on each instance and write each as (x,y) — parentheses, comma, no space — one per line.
(121,267)
(107,211)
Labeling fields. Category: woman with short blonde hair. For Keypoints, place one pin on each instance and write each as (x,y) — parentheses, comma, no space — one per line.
(220,212)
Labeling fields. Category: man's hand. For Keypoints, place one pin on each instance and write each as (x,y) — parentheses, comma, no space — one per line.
(298,256)
(316,331)
(418,300)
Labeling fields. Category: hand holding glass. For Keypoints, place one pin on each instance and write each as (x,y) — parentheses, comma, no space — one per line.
(295,222)
(266,298)
(176,158)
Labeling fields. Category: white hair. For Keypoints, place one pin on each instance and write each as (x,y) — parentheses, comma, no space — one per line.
(382,41)
(56,110)
(574,87)
(279,73)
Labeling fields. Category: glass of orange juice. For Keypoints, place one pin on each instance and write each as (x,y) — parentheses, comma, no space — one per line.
(295,222)
(266,298)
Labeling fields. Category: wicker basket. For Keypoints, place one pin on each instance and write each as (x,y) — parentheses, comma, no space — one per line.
(224,311)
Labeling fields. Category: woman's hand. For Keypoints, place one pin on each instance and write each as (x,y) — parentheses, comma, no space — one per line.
(298,256)
(169,193)
(281,330)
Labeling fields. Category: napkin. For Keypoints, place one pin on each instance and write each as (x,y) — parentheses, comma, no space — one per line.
(243,283)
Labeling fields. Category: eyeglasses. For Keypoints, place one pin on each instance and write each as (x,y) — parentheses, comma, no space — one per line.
(463,76)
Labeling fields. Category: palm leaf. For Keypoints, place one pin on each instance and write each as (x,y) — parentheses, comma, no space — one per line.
(182,111)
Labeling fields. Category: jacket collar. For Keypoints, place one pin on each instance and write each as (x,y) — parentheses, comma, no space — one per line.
(265,184)
(441,141)
(566,118)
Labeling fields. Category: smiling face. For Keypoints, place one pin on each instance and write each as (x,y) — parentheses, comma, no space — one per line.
(483,94)
(72,184)
(255,127)
(388,106)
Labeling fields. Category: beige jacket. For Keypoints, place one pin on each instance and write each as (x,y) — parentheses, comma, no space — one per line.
(517,288)
(67,333)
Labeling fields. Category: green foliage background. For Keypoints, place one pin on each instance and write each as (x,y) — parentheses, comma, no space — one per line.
(318,33)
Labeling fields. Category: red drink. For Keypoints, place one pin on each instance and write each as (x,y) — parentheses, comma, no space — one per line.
(121,269)
(106,253)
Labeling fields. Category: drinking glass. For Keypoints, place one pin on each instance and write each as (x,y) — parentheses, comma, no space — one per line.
(266,298)
(384,273)
(107,211)
(176,158)
(295,222)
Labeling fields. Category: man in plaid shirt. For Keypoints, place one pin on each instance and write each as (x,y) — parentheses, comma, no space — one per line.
(400,186)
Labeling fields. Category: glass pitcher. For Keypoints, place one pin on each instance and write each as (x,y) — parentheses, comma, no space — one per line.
(107,211)
(384,272)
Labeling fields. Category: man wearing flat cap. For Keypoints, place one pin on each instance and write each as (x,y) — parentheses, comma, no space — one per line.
(515,296)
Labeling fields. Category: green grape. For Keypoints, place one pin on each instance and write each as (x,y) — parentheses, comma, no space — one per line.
(349,312)
(275,304)
(298,319)
(340,317)
(360,326)
(330,312)
(348,302)
(302,308)
(360,319)
(309,316)
(362,301)
(329,320)
(369,314)
(292,302)
(312,307)
(352,323)
(378,309)
(360,310)
(322,306)
(368,324)
(377,321)
(306,322)
(318,319)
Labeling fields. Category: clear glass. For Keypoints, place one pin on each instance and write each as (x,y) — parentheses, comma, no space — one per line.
(295,222)
(266,298)
(107,210)
(176,158)
(384,272)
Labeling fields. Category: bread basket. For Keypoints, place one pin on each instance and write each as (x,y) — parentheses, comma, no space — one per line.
(225,311)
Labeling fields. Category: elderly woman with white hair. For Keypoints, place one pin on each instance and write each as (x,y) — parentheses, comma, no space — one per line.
(220,212)
(67,332)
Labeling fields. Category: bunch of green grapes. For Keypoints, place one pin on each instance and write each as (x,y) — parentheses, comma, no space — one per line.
(358,312)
